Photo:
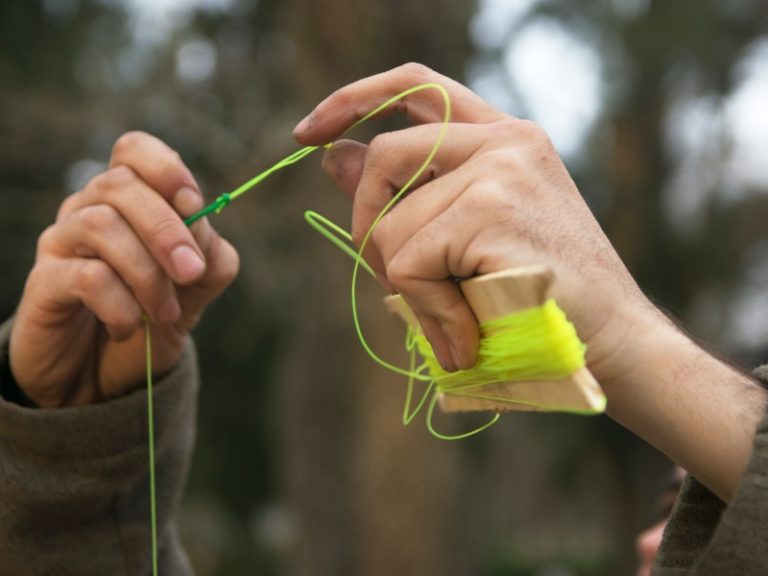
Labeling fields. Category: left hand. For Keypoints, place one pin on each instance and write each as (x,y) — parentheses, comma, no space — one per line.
(118,250)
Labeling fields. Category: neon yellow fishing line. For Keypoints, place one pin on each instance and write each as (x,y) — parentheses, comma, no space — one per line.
(151,442)
(534,344)
(537,343)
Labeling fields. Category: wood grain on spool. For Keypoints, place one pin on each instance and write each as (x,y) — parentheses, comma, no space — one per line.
(495,295)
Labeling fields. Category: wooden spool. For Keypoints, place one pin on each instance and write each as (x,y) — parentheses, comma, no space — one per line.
(495,295)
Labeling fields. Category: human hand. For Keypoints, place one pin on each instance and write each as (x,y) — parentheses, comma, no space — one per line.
(118,250)
(496,196)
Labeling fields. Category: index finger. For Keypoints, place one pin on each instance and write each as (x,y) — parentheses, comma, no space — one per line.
(161,168)
(348,104)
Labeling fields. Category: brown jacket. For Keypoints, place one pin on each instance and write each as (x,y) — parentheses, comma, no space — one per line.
(74,484)
(74,490)
(706,538)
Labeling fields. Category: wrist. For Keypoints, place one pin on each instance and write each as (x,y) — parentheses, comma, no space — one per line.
(619,353)
(652,355)
(698,410)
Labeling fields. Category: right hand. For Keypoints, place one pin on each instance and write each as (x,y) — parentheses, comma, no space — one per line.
(118,250)
(495,196)
(500,197)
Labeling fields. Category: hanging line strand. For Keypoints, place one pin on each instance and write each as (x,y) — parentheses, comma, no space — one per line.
(338,236)
(151,442)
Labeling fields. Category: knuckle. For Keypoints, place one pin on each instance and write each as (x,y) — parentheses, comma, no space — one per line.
(172,161)
(505,161)
(528,128)
(94,276)
(127,142)
(379,148)
(98,219)
(399,272)
(123,322)
(66,207)
(96,184)
(521,130)
(509,126)
(125,317)
(113,180)
(534,134)
(488,196)
(39,275)
(47,241)
(152,280)
(499,198)
(417,70)
(166,229)
(119,177)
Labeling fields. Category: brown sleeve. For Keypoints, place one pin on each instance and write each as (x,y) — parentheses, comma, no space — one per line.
(74,482)
(704,537)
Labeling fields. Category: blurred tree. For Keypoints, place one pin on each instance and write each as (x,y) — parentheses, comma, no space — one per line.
(390,509)
(659,54)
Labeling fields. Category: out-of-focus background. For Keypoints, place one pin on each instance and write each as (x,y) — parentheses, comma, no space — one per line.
(660,110)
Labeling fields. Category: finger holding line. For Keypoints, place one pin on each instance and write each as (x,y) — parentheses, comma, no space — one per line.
(373,175)
(158,226)
(394,158)
(160,167)
(87,282)
(349,104)
(423,270)
(99,231)
(153,220)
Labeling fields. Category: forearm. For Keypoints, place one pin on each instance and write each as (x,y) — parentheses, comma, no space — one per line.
(692,406)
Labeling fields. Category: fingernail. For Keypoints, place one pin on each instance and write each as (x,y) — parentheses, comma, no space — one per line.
(462,359)
(462,362)
(186,263)
(303,126)
(169,312)
(187,201)
(445,357)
